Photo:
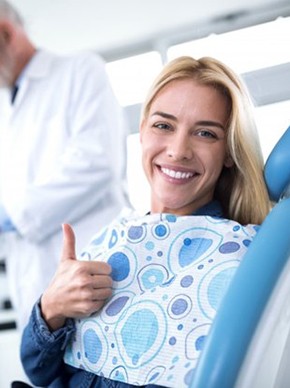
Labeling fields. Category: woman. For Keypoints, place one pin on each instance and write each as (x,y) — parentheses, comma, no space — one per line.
(153,275)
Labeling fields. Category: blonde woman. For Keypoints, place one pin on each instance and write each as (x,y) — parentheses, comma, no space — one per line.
(136,308)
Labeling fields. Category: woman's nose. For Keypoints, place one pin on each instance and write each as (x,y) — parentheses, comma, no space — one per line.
(180,148)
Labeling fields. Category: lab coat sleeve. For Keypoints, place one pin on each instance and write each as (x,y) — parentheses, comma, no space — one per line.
(92,163)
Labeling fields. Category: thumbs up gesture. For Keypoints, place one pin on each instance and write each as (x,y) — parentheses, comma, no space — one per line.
(78,288)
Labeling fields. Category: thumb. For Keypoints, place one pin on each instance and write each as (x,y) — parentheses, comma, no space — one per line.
(68,247)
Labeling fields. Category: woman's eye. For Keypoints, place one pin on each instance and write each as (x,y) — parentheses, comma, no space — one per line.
(206,133)
(162,126)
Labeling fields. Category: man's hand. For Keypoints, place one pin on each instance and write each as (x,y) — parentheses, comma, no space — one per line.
(78,288)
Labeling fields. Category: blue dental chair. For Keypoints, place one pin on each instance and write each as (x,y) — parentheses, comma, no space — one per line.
(249,342)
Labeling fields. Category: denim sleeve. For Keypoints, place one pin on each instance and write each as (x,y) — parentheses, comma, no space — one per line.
(42,351)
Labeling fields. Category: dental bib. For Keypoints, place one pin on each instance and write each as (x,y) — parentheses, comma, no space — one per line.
(169,275)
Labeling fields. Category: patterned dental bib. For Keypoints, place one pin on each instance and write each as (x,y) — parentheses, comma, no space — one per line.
(169,275)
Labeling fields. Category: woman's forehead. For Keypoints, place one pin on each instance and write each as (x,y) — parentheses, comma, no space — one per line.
(189,96)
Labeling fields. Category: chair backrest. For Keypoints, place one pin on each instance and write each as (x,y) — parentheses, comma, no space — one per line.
(253,284)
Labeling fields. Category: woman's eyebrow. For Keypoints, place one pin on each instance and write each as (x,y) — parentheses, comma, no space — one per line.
(164,115)
(209,123)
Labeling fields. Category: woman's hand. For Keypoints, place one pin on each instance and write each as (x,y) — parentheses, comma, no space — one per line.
(78,288)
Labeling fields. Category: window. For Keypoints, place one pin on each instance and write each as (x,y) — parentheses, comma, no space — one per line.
(272,121)
(243,50)
(131,77)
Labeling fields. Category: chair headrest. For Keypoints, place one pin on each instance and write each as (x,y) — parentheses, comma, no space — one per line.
(277,168)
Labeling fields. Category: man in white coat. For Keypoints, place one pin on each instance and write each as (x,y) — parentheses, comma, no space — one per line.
(62,156)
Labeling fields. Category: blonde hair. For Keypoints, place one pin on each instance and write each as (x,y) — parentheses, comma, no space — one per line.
(241,188)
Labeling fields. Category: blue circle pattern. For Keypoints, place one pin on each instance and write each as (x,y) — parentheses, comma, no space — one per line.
(116,306)
(120,266)
(179,306)
(92,345)
(218,285)
(162,305)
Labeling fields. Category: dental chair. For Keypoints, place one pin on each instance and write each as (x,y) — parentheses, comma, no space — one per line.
(249,342)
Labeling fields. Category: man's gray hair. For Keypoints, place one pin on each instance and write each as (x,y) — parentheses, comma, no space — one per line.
(7,11)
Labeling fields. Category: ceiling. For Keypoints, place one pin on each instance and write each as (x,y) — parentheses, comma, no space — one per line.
(115,26)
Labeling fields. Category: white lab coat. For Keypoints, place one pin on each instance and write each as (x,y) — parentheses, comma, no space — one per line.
(62,159)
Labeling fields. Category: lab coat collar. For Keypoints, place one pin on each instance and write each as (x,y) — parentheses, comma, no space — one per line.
(38,67)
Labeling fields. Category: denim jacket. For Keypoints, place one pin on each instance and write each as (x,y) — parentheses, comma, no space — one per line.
(42,351)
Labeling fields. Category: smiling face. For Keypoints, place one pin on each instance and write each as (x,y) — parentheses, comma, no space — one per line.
(184,146)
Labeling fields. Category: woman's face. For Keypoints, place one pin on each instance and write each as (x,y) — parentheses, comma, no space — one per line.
(184,146)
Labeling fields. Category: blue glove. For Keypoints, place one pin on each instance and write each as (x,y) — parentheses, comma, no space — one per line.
(5,222)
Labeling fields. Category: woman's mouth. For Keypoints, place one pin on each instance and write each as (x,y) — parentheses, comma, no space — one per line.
(175,174)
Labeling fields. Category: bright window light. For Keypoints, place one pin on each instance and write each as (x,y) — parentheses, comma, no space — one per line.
(131,77)
(244,50)
(272,121)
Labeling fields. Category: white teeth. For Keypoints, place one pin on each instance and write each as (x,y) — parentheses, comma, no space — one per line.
(176,174)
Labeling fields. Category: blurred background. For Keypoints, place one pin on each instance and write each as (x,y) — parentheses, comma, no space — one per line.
(136,38)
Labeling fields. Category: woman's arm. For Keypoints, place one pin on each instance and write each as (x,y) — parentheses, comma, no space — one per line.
(42,350)
(77,289)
